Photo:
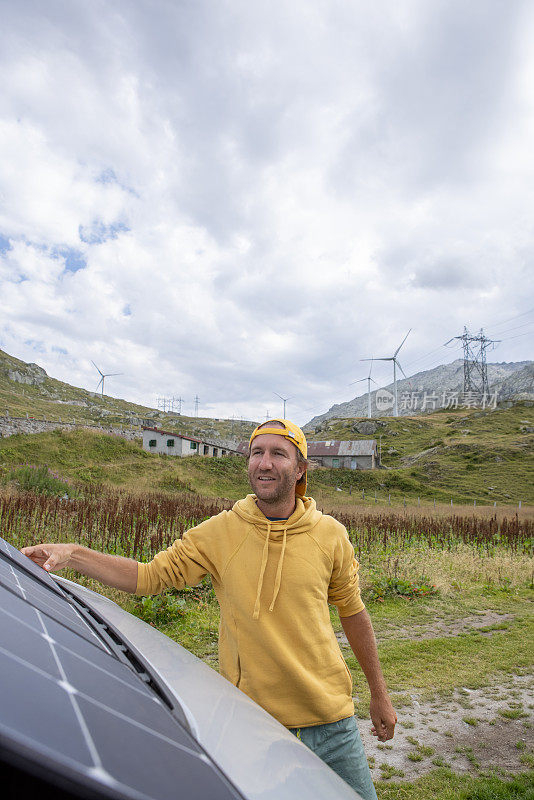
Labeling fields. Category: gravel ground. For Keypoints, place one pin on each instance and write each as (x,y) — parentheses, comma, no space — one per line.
(475,729)
(471,730)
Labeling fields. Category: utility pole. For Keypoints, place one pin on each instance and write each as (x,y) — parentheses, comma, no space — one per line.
(475,364)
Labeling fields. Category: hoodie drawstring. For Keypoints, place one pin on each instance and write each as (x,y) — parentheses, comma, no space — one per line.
(256,613)
(278,578)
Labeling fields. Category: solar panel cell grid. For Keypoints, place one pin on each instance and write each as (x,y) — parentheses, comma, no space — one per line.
(48,602)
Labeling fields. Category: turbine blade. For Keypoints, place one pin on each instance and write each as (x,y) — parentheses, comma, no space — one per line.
(94,365)
(399,347)
(401,369)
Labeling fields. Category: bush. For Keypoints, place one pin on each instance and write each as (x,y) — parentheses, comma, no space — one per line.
(162,609)
(400,587)
(41,480)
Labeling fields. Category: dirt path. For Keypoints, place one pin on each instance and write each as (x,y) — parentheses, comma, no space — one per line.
(442,627)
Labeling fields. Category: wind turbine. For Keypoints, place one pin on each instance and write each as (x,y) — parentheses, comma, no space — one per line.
(284,400)
(103,376)
(368,379)
(395,365)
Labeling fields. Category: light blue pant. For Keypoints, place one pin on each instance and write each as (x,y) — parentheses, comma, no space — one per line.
(340,746)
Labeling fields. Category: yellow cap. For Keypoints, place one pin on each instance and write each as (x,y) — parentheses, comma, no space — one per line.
(293,434)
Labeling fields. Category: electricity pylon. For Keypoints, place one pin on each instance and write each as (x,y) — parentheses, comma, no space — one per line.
(475,365)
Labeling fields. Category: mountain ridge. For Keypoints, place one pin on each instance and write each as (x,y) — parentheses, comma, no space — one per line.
(512,381)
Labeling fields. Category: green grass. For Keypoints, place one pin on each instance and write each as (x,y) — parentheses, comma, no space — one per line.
(423,665)
(443,784)
(92,458)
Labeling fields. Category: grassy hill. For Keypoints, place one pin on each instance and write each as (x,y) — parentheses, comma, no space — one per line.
(487,456)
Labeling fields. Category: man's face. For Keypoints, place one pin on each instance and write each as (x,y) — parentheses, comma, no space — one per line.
(273,468)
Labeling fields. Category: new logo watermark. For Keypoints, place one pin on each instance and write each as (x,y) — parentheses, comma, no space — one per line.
(384,400)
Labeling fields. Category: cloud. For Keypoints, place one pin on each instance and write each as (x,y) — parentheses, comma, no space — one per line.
(237,200)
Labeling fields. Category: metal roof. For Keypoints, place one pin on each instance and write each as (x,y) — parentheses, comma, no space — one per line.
(336,447)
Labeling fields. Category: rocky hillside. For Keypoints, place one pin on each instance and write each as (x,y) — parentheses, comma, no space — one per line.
(26,389)
(511,382)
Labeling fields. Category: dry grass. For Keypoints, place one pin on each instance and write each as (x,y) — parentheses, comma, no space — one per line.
(344,503)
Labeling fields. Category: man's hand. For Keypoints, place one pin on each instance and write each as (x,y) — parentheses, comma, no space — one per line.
(383,717)
(51,557)
(111,570)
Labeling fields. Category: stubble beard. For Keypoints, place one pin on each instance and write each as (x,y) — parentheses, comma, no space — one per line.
(281,490)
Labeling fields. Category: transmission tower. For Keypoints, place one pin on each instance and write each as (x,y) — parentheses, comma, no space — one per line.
(475,365)
(164,404)
(197,401)
(178,401)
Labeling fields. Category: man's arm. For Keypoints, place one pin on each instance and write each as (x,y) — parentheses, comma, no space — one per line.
(121,573)
(359,632)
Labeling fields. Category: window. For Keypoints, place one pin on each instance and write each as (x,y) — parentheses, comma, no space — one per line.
(152,443)
(215,452)
(170,442)
(206,450)
(335,462)
(223,452)
(193,445)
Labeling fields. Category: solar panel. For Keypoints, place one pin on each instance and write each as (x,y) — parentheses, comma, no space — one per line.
(41,595)
(28,566)
(72,708)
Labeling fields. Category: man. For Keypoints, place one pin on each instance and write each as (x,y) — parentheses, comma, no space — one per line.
(276,563)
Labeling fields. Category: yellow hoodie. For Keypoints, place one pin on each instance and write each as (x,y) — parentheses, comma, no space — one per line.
(273,581)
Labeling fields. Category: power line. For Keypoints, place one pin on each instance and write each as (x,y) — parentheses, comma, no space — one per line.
(507,338)
(516,327)
(510,319)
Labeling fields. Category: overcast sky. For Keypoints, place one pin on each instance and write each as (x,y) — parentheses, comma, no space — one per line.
(231,198)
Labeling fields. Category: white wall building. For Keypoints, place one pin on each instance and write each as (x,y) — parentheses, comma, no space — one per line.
(177,444)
